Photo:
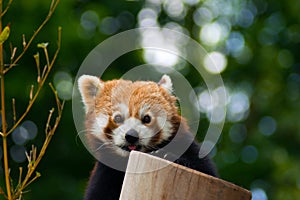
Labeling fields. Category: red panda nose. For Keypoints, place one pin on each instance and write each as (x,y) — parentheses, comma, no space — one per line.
(132,136)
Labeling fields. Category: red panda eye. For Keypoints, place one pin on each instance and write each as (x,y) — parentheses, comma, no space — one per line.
(118,119)
(146,119)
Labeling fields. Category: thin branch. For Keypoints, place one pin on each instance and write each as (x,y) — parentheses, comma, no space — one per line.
(13,102)
(24,41)
(37,175)
(44,47)
(58,104)
(3,116)
(58,46)
(33,161)
(44,71)
(6,8)
(37,63)
(31,92)
(40,85)
(11,193)
(48,127)
(53,6)
(13,53)
(6,168)
(20,175)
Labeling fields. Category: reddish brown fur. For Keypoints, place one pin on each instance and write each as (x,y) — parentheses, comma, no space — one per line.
(106,182)
(136,94)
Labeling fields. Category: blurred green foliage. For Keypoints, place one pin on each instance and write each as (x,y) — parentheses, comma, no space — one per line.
(260,41)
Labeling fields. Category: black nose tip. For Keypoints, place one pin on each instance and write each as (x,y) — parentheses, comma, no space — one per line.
(132,136)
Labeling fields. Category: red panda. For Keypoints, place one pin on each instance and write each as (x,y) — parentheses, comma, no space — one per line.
(122,116)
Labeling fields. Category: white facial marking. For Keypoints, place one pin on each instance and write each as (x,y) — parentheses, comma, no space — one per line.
(123,109)
(143,110)
(119,133)
(166,130)
(99,125)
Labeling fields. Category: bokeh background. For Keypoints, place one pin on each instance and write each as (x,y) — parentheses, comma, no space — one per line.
(256,46)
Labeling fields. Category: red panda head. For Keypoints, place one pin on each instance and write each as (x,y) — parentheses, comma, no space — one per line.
(126,115)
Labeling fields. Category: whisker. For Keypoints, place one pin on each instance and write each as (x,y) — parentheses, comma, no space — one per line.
(83,132)
(105,144)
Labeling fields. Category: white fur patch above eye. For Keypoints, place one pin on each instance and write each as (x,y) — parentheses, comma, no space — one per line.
(143,110)
(122,109)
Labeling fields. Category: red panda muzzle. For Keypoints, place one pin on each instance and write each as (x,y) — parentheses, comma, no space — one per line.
(132,136)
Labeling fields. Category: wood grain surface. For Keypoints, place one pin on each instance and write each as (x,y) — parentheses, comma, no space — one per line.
(172,181)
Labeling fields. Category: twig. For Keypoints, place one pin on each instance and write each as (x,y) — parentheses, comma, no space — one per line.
(11,193)
(13,102)
(6,8)
(35,162)
(37,175)
(31,92)
(3,116)
(13,53)
(53,6)
(40,85)
(44,47)
(58,46)
(20,175)
(44,71)
(37,62)
(58,104)
(48,121)
(24,41)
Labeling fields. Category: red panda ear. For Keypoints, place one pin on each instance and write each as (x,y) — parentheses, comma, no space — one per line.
(166,83)
(89,88)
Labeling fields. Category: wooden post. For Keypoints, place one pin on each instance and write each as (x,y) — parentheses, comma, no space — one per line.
(172,181)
